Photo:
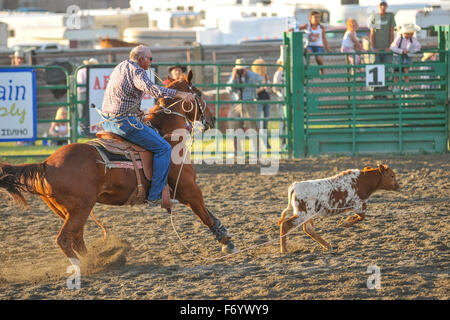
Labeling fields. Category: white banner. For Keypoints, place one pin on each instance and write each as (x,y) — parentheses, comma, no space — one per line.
(18,117)
(97,81)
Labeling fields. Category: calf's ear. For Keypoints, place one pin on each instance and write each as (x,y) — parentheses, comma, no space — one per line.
(383,168)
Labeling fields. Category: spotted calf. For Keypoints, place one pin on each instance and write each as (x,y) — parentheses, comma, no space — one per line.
(323,197)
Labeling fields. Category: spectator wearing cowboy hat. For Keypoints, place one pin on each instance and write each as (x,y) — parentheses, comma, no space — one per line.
(176,72)
(405,45)
(18,58)
(242,75)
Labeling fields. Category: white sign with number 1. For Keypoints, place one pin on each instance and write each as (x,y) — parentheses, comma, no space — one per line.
(375,75)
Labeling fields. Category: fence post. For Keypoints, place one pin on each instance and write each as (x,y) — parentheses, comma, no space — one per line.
(287,90)
(444,45)
(297,72)
(197,55)
(72,110)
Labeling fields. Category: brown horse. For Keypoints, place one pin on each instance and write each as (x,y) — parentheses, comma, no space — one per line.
(74,178)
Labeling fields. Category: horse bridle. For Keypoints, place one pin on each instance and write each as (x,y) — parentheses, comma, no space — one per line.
(167,110)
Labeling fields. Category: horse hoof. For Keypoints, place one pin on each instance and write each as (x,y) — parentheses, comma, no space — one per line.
(229,247)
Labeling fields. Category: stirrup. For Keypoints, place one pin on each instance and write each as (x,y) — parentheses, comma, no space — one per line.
(165,201)
(152,203)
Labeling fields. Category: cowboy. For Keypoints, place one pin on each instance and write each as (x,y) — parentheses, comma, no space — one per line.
(123,116)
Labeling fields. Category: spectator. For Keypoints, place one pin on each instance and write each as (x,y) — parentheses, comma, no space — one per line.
(241,75)
(278,78)
(59,129)
(428,56)
(351,42)
(405,44)
(262,93)
(83,108)
(175,73)
(316,39)
(18,59)
(382,26)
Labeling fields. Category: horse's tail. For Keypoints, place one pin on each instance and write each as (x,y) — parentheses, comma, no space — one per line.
(22,178)
(290,200)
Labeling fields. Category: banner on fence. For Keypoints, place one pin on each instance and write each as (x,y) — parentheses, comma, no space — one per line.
(18,121)
(97,81)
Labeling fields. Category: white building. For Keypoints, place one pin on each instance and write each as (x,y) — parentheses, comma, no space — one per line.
(75,32)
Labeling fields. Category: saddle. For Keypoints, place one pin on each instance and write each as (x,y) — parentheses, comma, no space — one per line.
(118,152)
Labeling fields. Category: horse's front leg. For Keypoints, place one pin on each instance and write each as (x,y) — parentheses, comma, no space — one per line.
(189,193)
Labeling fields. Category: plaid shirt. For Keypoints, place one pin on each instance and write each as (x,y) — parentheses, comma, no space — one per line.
(126,86)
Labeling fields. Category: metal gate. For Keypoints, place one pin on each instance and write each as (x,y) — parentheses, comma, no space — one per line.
(337,113)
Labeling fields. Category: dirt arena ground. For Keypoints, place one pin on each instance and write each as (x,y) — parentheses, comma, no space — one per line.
(405,235)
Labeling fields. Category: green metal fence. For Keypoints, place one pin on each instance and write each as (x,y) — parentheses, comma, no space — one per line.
(219,106)
(336,112)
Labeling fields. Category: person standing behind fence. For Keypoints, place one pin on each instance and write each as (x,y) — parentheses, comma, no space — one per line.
(428,56)
(262,93)
(59,129)
(404,45)
(382,26)
(316,38)
(351,42)
(18,58)
(241,75)
(278,78)
(83,109)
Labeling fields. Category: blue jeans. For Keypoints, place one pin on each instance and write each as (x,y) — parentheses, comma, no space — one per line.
(263,112)
(315,49)
(135,131)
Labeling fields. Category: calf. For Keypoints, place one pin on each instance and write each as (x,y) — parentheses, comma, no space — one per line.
(323,197)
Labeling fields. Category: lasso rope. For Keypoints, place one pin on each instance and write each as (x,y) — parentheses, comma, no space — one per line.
(207,259)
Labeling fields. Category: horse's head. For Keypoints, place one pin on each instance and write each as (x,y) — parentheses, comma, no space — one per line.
(197,111)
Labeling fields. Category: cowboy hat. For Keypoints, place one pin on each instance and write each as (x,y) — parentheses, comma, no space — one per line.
(239,63)
(183,68)
(19,54)
(91,61)
(409,28)
(427,55)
